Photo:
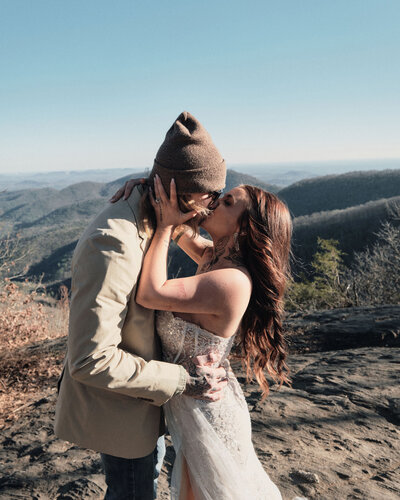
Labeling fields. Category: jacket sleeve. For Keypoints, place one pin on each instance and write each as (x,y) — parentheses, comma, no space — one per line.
(104,273)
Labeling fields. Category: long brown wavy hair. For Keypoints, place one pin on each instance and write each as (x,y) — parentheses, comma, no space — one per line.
(264,242)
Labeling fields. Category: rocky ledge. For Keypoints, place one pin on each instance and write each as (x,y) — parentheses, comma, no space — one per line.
(345,328)
(333,435)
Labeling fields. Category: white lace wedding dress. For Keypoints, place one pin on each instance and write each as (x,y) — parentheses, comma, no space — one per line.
(214,438)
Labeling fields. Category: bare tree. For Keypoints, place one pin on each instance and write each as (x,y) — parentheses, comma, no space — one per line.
(11,257)
(375,274)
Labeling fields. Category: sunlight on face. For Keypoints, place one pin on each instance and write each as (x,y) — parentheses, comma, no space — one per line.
(203,199)
(224,221)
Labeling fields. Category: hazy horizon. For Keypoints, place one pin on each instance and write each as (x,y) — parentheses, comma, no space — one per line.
(295,164)
(278,174)
(94,84)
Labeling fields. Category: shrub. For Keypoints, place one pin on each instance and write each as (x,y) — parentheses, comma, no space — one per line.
(30,358)
(375,275)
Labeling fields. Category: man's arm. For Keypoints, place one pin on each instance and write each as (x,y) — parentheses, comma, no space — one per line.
(105,270)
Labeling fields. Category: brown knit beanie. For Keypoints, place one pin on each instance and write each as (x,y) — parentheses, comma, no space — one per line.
(189,155)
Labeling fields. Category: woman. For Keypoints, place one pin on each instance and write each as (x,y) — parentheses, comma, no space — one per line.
(237,291)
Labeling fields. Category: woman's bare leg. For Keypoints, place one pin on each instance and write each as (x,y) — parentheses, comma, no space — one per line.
(186,491)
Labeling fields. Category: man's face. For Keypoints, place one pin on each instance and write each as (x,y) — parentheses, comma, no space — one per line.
(206,200)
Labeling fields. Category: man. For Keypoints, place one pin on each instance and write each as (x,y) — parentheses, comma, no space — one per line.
(113,383)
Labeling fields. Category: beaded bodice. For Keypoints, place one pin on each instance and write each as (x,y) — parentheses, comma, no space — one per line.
(182,340)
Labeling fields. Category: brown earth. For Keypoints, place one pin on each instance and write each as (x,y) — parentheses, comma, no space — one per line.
(333,435)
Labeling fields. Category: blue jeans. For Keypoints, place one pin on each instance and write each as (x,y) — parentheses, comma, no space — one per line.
(133,478)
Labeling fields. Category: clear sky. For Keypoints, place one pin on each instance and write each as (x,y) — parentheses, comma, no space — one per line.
(97,83)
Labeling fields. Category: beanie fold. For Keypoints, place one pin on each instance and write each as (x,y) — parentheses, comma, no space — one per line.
(194,180)
(189,155)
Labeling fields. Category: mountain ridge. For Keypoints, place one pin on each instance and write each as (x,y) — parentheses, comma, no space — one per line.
(332,192)
(50,220)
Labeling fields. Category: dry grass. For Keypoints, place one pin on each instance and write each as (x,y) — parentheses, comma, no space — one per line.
(30,355)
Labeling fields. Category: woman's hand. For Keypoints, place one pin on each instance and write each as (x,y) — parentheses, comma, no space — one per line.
(167,210)
(127,189)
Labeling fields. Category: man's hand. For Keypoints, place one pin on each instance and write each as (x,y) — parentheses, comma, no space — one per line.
(127,189)
(208,381)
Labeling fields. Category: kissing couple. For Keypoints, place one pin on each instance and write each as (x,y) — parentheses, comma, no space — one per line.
(144,349)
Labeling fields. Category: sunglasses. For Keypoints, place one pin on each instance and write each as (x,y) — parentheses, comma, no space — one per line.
(214,195)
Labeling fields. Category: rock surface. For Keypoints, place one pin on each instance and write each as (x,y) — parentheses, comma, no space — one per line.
(345,328)
(333,435)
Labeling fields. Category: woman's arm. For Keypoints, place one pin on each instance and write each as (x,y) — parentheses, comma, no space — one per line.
(193,247)
(215,292)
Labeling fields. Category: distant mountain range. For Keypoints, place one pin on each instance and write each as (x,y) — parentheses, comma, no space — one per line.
(32,207)
(348,207)
(284,174)
(279,174)
(61,179)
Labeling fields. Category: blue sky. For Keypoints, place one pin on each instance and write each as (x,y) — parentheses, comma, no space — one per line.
(96,84)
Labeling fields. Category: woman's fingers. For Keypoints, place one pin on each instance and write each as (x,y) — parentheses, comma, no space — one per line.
(157,188)
(172,193)
(187,216)
(167,206)
(161,195)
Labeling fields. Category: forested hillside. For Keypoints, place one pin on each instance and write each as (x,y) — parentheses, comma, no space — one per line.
(354,228)
(28,205)
(333,192)
(45,224)
(49,222)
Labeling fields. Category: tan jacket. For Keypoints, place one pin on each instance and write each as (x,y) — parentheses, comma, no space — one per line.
(113,385)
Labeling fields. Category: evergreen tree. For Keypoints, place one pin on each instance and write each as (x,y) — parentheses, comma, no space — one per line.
(325,290)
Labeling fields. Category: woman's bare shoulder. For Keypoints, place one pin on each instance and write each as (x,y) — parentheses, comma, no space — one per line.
(233,281)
